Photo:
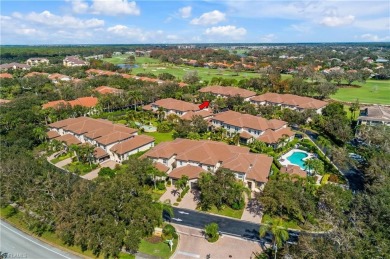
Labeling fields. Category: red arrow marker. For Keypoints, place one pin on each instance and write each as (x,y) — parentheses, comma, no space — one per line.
(205,104)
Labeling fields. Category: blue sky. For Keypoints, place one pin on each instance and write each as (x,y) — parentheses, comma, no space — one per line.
(209,21)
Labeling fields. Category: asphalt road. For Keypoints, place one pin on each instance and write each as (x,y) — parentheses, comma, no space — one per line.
(239,228)
(17,244)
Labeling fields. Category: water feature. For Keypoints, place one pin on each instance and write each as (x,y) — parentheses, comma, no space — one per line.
(297,158)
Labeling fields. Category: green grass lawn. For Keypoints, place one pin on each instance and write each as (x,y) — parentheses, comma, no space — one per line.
(160,250)
(160,137)
(227,211)
(61,158)
(372,92)
(80,168)
(117,59)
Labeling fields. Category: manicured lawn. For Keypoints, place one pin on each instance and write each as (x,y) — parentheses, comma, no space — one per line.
(372,92)
(61,158)
(228,212)
(117,59)
(161,249)
(160,137)
(80,168)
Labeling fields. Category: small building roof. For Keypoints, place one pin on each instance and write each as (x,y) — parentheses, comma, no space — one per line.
(69,139)
(193,172)
(161,167)
(132,144)
(52,134)
(293,170)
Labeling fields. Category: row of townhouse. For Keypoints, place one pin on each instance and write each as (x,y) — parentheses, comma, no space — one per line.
(183,109)
(294,102)
(192,157)
(111,141)
(248,126)
(252,127)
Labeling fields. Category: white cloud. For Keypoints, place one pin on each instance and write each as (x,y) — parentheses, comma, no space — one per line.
(105,7)
(115,7)
(79,6)
(226,31)
(268,38)
(185,12)
(48,19)
(372,37)
(213,17)
(335,21)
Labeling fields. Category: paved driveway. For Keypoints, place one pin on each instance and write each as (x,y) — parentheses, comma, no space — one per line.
(94,173)
(193,245)
(253,211)
(189,201)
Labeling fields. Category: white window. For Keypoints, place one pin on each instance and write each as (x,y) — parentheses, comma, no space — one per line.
(165,161)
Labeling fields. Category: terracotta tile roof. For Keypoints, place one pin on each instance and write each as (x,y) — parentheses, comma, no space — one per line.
(255,166)
(5,75)
(208,152)
(69,139)
(108,90)
(147,107)
(293,169)
(58,76)
(178,105)
(52,134)
(161,167)
(54,104)
(245,135)
(272,137)
(83,101)
(102,131)
(101,72)
(227,91)
(193,172)
(247,121)
(131,144)
(291,100)
(99,152)
(204,113)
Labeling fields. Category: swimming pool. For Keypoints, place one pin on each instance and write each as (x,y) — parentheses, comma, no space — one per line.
(297,158)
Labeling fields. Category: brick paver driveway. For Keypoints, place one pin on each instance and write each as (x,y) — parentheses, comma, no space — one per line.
(193,245)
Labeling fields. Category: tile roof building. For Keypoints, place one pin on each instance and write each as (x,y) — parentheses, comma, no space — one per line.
(178,107)
(228,91)
(290,101)
(374,115)
(108,90)
(293,170)
(118,141)
(88,102)
(5,75)
(74,61)
(208,155)
(14,66)
(253,127)
(37,61)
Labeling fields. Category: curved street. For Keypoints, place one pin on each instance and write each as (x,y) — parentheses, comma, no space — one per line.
(17,244)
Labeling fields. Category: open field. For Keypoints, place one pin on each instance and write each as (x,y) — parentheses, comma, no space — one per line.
(372,92)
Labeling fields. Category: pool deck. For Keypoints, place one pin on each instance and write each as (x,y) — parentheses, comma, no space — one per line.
(284,161)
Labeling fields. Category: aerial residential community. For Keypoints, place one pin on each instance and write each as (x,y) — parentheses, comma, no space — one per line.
(131,133)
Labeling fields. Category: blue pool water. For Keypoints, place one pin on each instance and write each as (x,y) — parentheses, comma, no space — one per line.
(296,158)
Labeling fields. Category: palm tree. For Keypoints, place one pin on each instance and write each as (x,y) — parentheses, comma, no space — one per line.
(277,230)
(309,164)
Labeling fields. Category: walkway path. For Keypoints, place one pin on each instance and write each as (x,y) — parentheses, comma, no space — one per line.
(253,211)
(95,173)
